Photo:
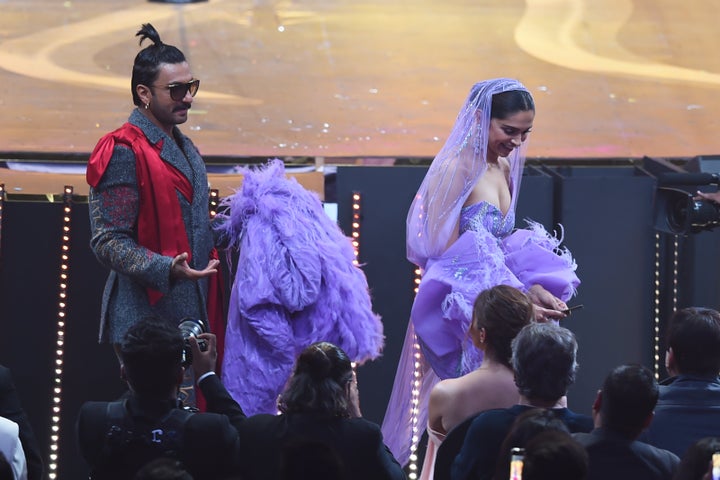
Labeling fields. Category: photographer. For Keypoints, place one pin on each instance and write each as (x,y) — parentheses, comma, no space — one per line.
(118,438)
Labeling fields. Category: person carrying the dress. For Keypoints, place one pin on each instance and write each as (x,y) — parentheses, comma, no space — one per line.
(460,232)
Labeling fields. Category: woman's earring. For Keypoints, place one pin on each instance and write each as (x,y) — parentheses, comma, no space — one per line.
(147,105)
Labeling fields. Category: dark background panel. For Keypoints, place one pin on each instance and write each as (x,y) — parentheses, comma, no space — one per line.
(386,196)
(92,371)
(29,278)
(607,215)
(703,255)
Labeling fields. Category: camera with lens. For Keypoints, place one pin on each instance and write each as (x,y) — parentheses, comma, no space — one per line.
(681,213)
(192,327)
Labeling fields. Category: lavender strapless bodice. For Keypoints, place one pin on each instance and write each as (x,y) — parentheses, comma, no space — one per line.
(484,215)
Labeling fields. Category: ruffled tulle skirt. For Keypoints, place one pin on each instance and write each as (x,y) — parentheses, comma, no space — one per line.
(295,284)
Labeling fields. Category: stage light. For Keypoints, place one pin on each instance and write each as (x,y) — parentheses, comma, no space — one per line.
(60,324)
(214,202)
(356,224)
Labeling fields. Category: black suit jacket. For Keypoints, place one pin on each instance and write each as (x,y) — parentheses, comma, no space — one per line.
(210,447)
(11,409)
(688,409)
(355,443)
(613,456)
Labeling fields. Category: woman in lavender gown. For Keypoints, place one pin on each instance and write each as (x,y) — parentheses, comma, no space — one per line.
(460,232)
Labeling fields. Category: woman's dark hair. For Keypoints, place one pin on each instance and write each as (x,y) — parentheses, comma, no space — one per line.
(526,426)
(502,311)
(148,60)
(507,103)
(318,384)
(696,460)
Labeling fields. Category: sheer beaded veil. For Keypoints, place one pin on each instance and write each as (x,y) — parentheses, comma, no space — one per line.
(432,222)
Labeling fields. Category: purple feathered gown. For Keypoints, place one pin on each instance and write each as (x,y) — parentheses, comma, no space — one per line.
(487,253)
(295,284)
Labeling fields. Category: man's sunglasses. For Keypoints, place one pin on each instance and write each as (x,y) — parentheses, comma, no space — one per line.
(179,90)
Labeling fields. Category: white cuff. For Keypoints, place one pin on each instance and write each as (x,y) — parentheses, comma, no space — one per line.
(204,376)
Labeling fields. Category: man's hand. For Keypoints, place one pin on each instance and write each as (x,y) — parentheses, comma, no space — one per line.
(203,361)
(713,196)
(181,269)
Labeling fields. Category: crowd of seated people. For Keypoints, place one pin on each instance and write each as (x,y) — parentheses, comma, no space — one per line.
(320,427)
(638,429)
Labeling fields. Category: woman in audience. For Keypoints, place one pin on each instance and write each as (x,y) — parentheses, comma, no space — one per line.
(320,406)
(499,313)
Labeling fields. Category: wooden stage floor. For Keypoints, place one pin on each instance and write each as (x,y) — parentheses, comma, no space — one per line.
(370,78)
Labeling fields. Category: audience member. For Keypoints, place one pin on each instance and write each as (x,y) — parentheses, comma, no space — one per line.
(498,315)
(163,468)
(118,438)
(525,427)
(11,448)
(320,405)
(622,409)
(696,464)
(11,408)
(309,459)
(544,361)
(689,405)
(555,455)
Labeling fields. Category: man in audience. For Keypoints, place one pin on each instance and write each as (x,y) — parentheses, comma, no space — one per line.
(689,405)
(622,409)
(118,438)
(544,361)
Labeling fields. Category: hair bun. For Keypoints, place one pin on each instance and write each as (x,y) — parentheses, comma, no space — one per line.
(315,362)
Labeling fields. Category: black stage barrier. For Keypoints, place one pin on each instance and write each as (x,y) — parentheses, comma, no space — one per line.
(607,219)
